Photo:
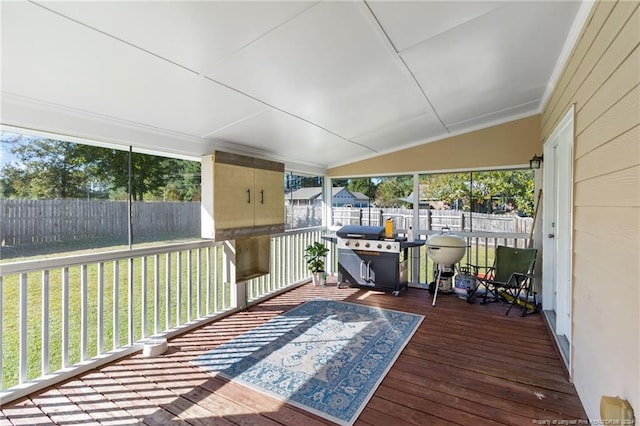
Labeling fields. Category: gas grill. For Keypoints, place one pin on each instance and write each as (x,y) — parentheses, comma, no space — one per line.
(367,259)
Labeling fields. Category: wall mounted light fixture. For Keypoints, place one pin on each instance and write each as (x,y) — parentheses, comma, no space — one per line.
(535,162)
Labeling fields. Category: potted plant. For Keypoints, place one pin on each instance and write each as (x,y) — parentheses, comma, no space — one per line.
(315,255)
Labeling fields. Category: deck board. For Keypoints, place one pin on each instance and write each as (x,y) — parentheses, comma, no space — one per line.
(466,364)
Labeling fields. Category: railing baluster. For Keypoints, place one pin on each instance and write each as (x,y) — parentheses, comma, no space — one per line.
(199,282)
(23,328)
(100,313)
(83,312)
(216,281)
(115,326)
(130,280)
(65,317)
(44,363)
(156,294)
(224,280)
(208,279)
(289,250)
(179,289)
(143,297)
(167,292)
(189,284)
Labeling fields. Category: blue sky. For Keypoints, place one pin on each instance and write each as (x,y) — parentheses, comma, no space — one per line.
(5,148)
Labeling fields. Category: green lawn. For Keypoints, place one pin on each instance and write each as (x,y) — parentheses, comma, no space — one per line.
(479,257)
(10,310)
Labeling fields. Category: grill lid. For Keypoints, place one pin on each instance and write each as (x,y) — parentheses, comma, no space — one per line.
(358,231)
(446,248)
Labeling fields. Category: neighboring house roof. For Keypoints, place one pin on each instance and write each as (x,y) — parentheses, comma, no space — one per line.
(310,193)
(359,196)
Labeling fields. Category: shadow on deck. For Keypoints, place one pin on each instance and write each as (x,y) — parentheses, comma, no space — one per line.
(466,364)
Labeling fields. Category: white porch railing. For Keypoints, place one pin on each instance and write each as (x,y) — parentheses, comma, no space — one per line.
(63,316)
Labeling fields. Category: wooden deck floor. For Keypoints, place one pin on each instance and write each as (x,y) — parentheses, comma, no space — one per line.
(466,364)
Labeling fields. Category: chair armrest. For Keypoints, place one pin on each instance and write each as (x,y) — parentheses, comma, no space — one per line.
(520,279)
(476,270)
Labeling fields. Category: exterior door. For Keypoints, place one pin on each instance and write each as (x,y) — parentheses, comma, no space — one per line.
(558,225)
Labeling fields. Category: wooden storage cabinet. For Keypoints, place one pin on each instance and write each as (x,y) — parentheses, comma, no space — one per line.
(269,193)
(241,196)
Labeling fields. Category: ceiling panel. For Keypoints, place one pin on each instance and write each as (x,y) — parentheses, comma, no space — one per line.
(408,23)
(405,133)
(85,70)
(330,66)
(496,62)
(195,34)
(291,138)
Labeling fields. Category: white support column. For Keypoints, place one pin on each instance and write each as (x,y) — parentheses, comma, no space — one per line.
(327,220)
(414,253)
(238,289)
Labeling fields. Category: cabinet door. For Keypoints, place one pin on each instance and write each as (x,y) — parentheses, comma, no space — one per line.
(234,198)
(269,197)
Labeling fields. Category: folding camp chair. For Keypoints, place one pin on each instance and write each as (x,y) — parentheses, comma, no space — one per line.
(508,279)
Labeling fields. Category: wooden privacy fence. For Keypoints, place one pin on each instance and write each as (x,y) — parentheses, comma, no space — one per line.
(430,219)
(37,221)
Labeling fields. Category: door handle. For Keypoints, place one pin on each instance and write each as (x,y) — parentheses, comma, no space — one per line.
(369,279)
(249,196)
(262,196)
(362,271)
(551,235)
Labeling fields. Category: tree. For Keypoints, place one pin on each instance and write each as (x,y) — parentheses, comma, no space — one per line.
(45,168)
(482,191)
(363,185)
(112,165)
(183,181)
(391,189)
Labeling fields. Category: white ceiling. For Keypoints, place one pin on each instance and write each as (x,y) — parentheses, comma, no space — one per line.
(313,84)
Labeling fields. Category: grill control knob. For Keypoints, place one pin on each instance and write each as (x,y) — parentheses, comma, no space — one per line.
(357,244)
(367,245)
(346,243)
(388,246)
(379,246)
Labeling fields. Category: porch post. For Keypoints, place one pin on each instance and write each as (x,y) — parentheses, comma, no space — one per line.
(238,289)
(415,224)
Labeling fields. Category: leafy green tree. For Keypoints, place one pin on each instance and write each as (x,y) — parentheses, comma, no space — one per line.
(363,185)
(294,182)
(47,168)
(337,183)
(44,168)
(491,191)
(152,176)
(182,183)
(391,189)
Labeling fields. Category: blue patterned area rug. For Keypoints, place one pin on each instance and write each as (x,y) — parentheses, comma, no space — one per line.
(323,356)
